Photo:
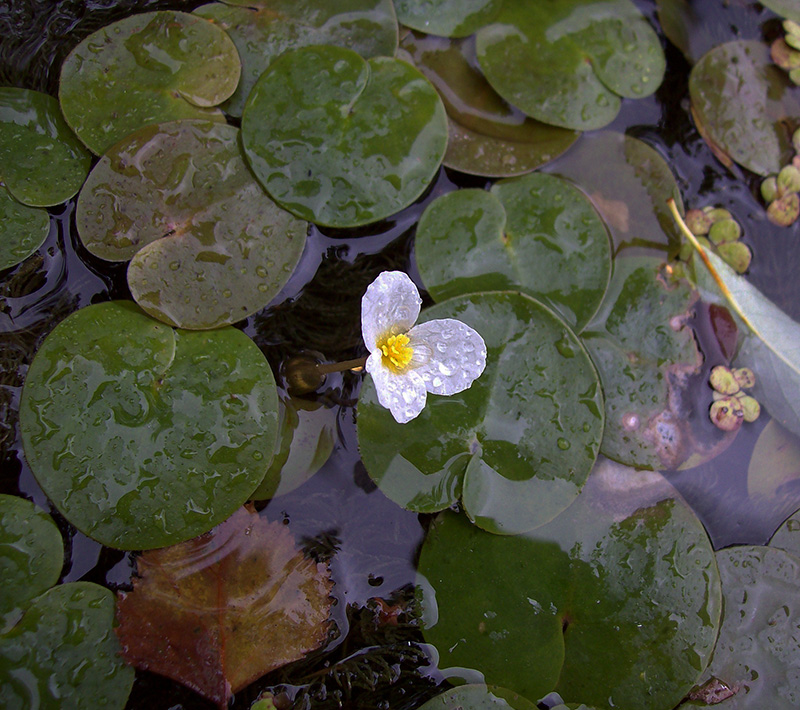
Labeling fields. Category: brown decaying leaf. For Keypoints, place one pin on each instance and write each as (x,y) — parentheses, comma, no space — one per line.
(219,611)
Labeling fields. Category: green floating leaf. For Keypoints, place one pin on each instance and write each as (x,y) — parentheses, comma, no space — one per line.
(148,68)
(144,436)
(536,234)
(787,536)
(770,340)
(449,18)
(645,355)
(757,655)
(629,184)
(42,163)
(568,62)
(487,136)
(692,27)
(63,653)
(478,697)
(743,105)
(306,437)
(784,8)
(517,446)
(31,556)
(207,246)
(342,141)
(264,29)
(610,604)
(774,464)
(24,230)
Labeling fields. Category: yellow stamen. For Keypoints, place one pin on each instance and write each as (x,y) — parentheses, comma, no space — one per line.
(397,353)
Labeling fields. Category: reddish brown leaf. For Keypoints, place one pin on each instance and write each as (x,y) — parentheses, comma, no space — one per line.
(219,611)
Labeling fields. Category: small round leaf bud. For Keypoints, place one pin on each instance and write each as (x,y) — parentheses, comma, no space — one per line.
(769,189)
(789,179)
(783,55)
(698,222)
(785,210)
(790,27)
(724,230)
(727,413)
(723,380)
(737,255)
(715,214)
(751,409)
(792,41)
(745,377)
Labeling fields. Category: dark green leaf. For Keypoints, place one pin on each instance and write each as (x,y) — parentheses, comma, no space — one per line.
(141,435)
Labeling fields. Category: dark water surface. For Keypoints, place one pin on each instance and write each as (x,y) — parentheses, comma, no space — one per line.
(339,515)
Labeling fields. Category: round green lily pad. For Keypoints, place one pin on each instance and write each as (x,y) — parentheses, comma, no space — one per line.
(517,446)
(340,140)
(645,354)
(207,246)
(264,29)
(143,436)
(536,234)
(487,136)
(568,62)
(611,607)
(787,536)
(758,652)
(449,18)
(24,229)
(478,697)
(745,105)
(148,68)
(31,555)
(64,653)
(784,8)
(306,436)
(629,184)
(42,163)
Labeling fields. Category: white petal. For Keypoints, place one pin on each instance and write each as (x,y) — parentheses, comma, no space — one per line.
(390,303)
(403,395)
(454,355)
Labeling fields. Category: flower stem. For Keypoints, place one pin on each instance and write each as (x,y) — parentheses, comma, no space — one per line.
(341,366)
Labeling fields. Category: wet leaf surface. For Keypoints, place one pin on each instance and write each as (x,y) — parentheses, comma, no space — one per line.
(24,229)
(487,136)
(63,653)
(264,29)
(645,355)
(774,467)
(620,593)
(31,556)
(42,163)
(513,452)
(207,246)
(568,62)
(219,611)
(145,69)
(745,105)
(536,234)
(629,184)
(342,141)
(478,697)
(758,653)
(787,536)
(448,18)
(142,435)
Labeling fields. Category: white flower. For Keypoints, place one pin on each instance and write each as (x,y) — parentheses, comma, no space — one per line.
(441,356)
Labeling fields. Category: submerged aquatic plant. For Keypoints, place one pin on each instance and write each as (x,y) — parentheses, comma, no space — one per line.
(407,361)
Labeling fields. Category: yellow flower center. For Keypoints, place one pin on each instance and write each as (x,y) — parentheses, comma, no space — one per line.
(397,353)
